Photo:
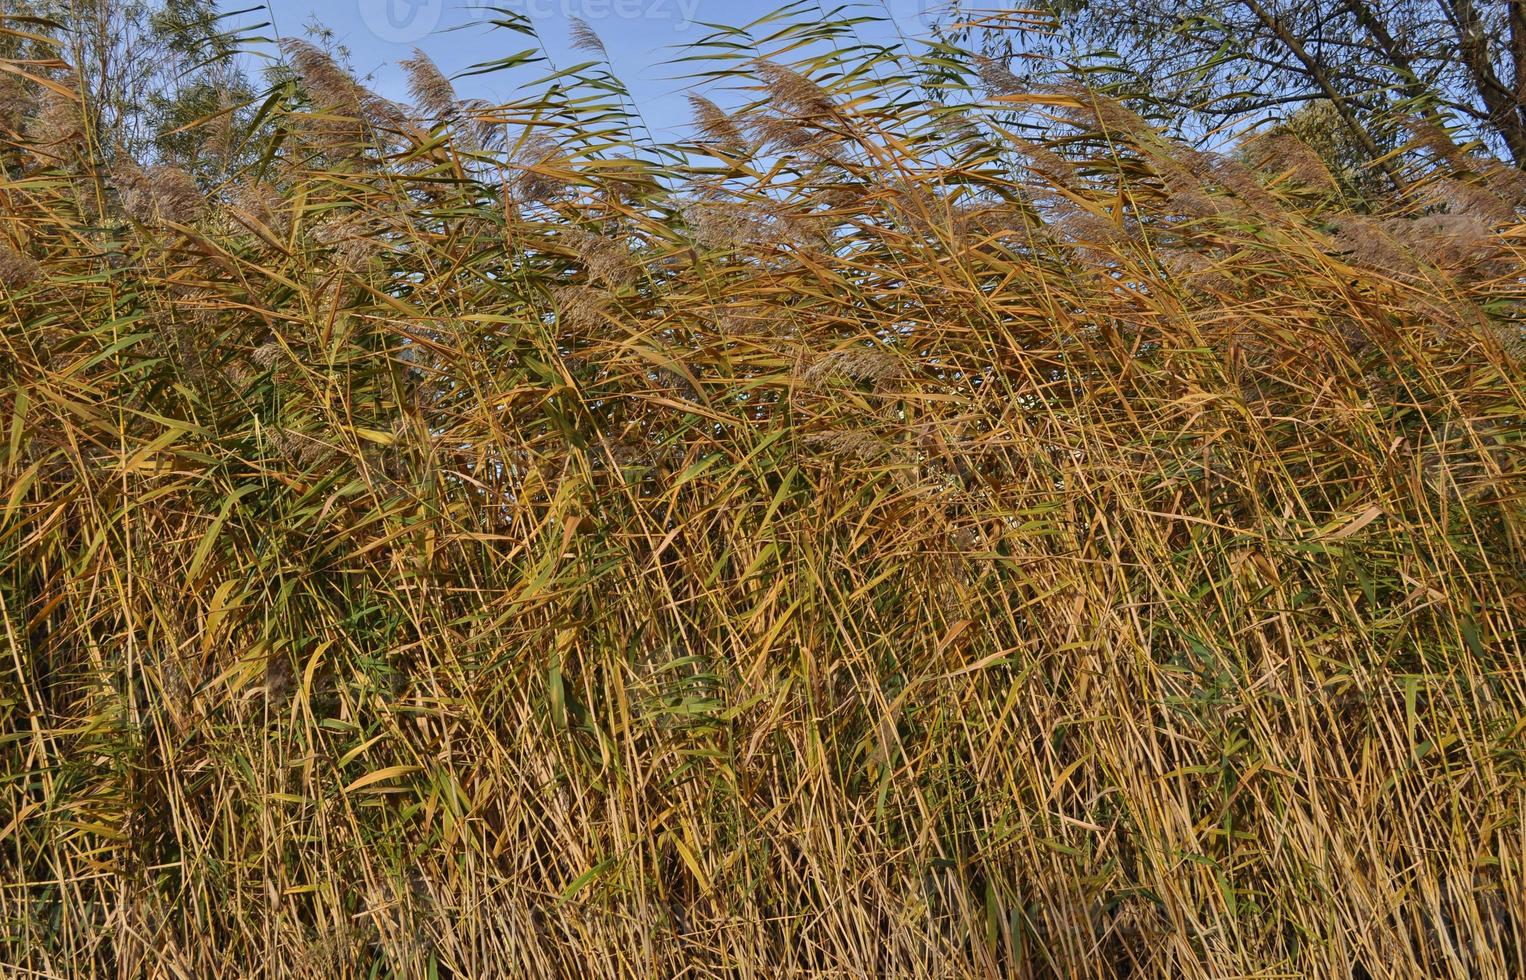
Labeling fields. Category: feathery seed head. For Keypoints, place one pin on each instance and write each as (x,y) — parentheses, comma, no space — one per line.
(997,77)
(430,89)
(162,193)
(717,125)
(794,91)
(861,364)
(584,38)
(1280,152)
(17,270)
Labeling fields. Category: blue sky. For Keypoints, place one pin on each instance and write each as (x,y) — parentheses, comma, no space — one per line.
(640,36)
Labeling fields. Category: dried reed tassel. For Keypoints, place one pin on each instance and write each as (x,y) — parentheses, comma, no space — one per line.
(1092,108)
(861,364)
(354,244)
(584,38)
(607,260)
(795,92)
(1196,270)
(1462,197)
(724,224)
(1461,242)
(582,307)
(348,114)
(163,193)
(1431,136)
(538,171)
(852,443)
(262,203)
(1364,241)
(1041,160)
(15,102)
(1287,154)
(17,270)
(429,88)
(221,129)
(717,126)
(1234,177)
(997,77)
(55,133)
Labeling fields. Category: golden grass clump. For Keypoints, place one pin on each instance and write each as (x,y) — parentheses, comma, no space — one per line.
(913,550)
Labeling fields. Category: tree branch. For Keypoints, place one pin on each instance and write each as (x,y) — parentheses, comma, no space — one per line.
(1317,73)
(1504,105)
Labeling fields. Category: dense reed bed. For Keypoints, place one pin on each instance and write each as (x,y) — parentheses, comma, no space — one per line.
(920,526)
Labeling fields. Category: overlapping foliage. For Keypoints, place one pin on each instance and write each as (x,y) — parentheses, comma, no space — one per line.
(920,527)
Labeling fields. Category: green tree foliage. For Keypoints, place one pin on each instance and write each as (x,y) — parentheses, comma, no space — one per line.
(1377,68)
(158,77)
